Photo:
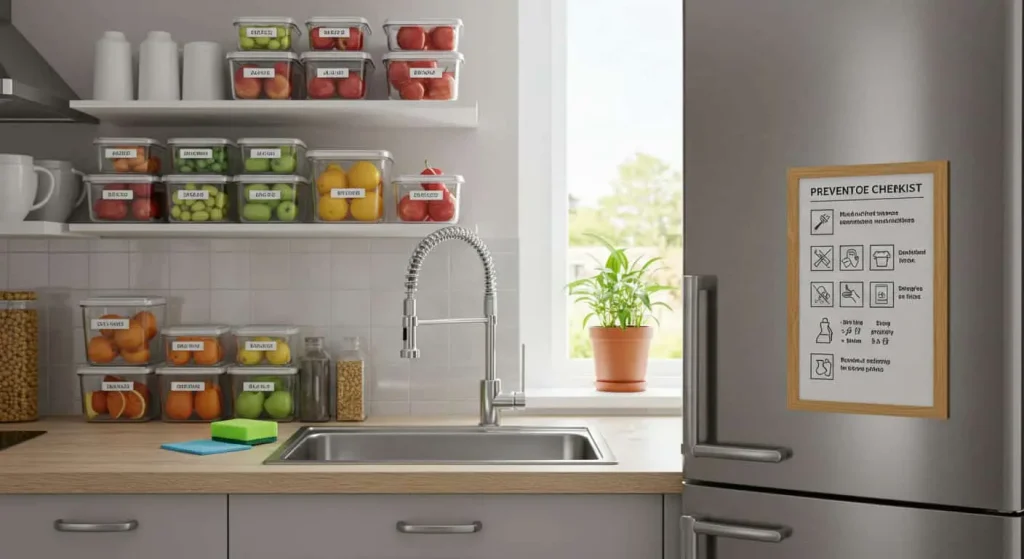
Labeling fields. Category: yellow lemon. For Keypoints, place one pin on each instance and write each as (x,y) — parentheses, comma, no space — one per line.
(281,355)
(335,167)
(331,178)
(370,208)
(249,357)
(363,175)
(332,209)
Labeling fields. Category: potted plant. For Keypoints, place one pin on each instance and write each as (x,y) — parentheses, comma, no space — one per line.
(619,299)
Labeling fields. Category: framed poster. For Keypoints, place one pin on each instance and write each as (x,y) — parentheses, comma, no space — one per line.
(868,289)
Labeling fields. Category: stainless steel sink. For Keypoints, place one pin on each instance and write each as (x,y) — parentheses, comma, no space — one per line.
(443,445)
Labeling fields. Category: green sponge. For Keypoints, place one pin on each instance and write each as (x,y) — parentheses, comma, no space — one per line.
(244,431)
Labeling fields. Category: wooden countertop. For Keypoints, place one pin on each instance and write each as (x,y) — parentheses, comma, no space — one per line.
(79,457)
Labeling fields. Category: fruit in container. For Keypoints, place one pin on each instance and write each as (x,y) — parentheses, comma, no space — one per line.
(132,338)
(282,207)
(207,404)
(138,356)
(412,91)
(126,405)
(423,34)
(211,206)
(278,87)
(101,350)
(264,36)
(249,405)
(414,77)
(332,209)
(413,207)
(179,405)
(215,164)
(321,88)
(363,174)
(442,38)
(352,87)
(368,208)
(412,210)
(412,38)
(279,404)
(109,333)
(246,88)
(110,210)
(443,88)
(332,177)
(442,210)
(263,79)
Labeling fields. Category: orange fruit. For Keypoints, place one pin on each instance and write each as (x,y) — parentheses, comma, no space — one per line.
(148,322)
(178,405)
(131,339)
(210,354)
(116,403)
(142,389)
(99,402)
(178,357)
(101,350)
(122,165)
(135,405)
(208,404)
(137,357)
(109,333)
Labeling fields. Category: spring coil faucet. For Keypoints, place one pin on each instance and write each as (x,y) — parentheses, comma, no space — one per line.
(491,398)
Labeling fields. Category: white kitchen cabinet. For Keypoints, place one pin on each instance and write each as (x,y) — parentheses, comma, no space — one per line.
(508,526)
(113,526)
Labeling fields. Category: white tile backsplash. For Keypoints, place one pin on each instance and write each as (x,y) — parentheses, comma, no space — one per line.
(110,270)
(26,270)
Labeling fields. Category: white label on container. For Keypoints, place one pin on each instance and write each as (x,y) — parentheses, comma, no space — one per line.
(426,195)
(332,72)
(195,153)
(118,195)
(188,346)
(257,72)
(265,153)
(110,324)
(335,32)
(251,345)
(348,193)
(254,32)
(188,386)
(193,195)
(117,386)
(258,387)
(264,194)
(431,73)
(122,153)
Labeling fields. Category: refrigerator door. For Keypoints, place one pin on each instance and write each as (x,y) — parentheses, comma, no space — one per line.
(733,524)
(773,85)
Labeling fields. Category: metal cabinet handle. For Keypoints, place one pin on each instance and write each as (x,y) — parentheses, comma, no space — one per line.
(693,345)
(692,527)
(406,528)
(97,527)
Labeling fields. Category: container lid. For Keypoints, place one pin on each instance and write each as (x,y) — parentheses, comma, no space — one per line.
(209,371)
(439,55)
(325,21)
(271,142)
(200,142)
(335,56)
(268,330)
(121,179)
(267,371)
(115,371)
(196,330)
(213,179)
(426,22)
(270,179)
(419,179)
(262,55)
(356,154)
(267,21)
(124,302)
(126,141)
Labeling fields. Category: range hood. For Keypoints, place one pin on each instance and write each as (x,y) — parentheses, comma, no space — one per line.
(30,90)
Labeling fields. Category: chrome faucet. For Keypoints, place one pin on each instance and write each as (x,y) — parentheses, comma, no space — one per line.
(491,398)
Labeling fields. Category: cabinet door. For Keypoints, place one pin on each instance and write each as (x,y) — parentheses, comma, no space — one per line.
(470,526)
(113,526)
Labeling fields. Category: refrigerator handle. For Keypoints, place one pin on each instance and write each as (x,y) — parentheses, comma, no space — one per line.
(692,527)
(693,345)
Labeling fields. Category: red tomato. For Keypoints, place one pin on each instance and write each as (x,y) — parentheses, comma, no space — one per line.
(442,38)
(428,45)
(412,38)
(443,88)
(412,210)
(142,190)
(354,40)
(351,87)
(282,69)
(398,73)
(321,88)
(110,210)
(412,91)
(145,209)
(318,42)
(442,210)
(432,171)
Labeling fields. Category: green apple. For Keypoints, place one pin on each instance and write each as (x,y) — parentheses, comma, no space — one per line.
(252,187)
(287,211)
(286,190)
(284,164)
(253,165)
(279,404)
(277,381)
(256,212)
(249,405)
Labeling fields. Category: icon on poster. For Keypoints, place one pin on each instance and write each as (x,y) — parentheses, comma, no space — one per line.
(882,294)
(822,222)
(883,257)
(851,294)
(822,259)
(822,366)
(824,332)
(821,294)
(851,258)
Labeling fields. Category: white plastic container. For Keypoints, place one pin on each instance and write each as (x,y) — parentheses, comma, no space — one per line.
(439,34)
(270,198)
(266,75)
(273,156)
(349,184)
(118,394)
(424,75)
(433,198)
(197,345)
(267,33)
(123,330)
(268,393)
(337,75)
(140,156)
(337,33)
(197,198)
(266,345)
(125,198)
(202,156)
(191,394)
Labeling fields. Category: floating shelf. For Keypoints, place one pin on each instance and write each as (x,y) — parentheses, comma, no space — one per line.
(34,229)
(253,230)
(385,114)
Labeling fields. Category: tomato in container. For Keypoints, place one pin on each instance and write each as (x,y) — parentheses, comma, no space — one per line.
(128,198)
(265,75)
(434,199)
(415,76)
(337,33)
(440,34)
(337,75)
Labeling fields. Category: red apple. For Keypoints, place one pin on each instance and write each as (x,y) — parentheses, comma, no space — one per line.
(354,40)
(398,73)
(280,87)
(145,209)
(428,45)
(412,38)
(246,88)
(351,87)
(143,190)
(320,88)
(442,38)
(412,91)
(110,210)
(434,171)
(443,88)
(442,210)
(318,42)
(283,69)
(412,210)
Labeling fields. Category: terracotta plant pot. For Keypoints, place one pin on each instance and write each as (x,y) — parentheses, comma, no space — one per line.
(620,357)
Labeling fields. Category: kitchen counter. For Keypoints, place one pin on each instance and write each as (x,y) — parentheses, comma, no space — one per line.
(79,457)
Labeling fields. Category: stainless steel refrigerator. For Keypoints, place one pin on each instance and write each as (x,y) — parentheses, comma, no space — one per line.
(775,84)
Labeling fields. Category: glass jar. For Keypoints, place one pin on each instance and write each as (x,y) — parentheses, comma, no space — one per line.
(19,356)
(315,382)
(351,382)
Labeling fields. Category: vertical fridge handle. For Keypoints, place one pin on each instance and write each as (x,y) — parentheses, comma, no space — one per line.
(691,527)
(693,345)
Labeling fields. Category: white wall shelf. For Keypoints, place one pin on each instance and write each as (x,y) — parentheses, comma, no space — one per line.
(253,230)
(34,229)
(386,114)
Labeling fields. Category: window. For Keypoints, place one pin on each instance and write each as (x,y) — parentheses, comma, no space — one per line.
(600,153)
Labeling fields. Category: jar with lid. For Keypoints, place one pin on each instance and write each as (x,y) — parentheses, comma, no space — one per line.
(19,356)
(315,382)
(351,382)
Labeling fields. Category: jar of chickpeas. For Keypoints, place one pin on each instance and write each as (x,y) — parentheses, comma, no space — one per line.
(351,382)
(19,356)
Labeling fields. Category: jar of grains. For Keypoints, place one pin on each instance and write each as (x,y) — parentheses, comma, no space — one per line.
(19,356)
(351,381)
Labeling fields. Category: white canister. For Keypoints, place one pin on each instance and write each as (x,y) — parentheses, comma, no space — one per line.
(203,72)
(18,184)
(112,68)
(159,75)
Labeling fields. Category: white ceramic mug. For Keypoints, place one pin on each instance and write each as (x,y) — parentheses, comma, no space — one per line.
(18,185)
(69,194)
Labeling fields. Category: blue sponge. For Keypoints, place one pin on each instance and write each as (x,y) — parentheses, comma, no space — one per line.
(204,447)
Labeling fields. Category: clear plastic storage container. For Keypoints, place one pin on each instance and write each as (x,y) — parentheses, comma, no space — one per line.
(267,33)
(141,156)
(351,382)
(19,356)
(440,34)
(206,156)
(266,345)
(191,394)
(266,75)
(421,198)
(349,184)
(337,75)
(199,345)
(118,394)
(268,198)
(264,392)
(337,33)
(197,198)
(123,330)
(415,76)
(127,198)
(273,156)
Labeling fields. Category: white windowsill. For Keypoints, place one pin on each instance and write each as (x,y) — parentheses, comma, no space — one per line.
(655,401)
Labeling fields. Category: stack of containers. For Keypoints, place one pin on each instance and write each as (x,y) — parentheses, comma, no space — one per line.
(199,189)
(336,66)
(127,187)
(191,386)
(268,191)
(423,59)
(264,378)
(265,66)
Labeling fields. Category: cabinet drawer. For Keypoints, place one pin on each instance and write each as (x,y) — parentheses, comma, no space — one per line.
(510,526)
(131,526)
